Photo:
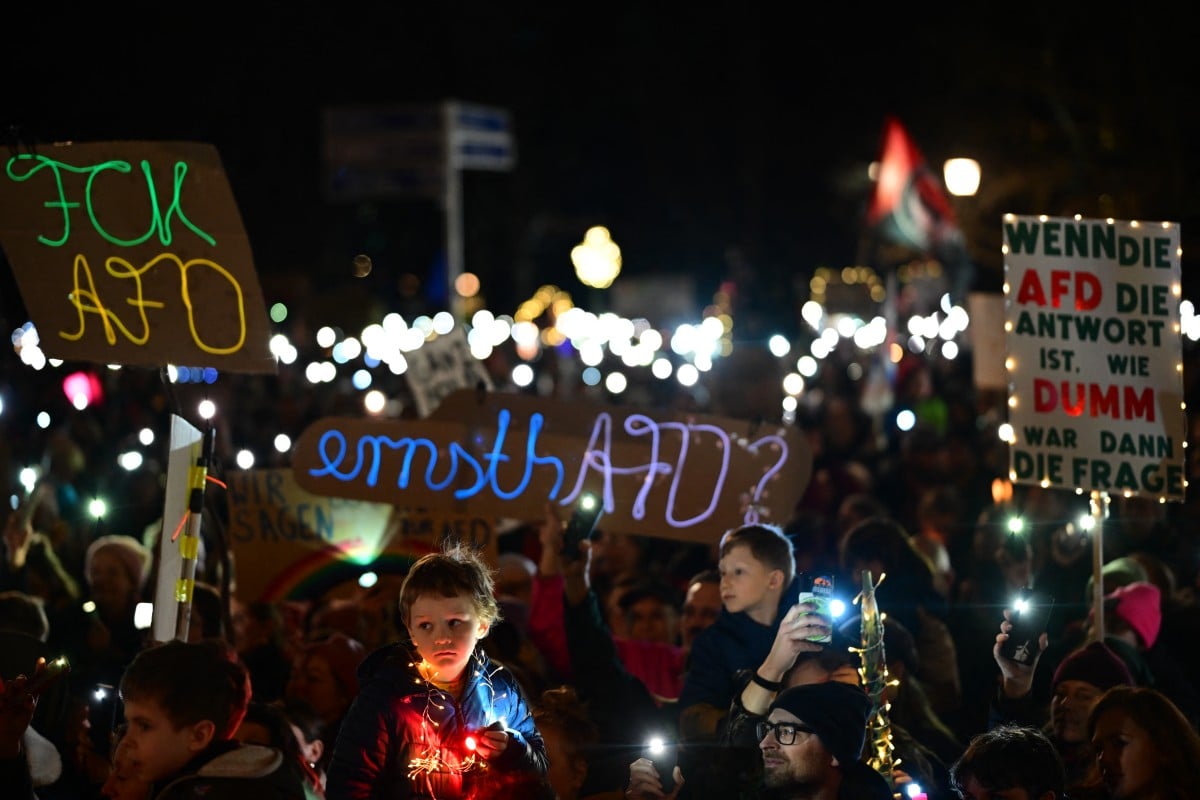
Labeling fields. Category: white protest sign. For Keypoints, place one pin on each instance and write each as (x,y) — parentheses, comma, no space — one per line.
(986,312)
(441,366)
(1094,355)
(185,441)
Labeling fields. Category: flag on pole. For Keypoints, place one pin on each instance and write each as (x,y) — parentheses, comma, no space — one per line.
(909,205)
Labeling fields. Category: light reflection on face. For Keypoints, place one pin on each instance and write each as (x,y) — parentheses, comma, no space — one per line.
(1069,709)
(804,762)
(445,631)
(1128,759)
(745,582)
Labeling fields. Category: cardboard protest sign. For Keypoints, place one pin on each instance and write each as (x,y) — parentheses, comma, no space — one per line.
(134,253)
(439,367)
(687,477)
(1095,355)
(289,544)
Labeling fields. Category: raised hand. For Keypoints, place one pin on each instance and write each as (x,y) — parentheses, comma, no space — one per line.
(18,535)
(799,626)
(645,782)
(1017,677)
(16,712)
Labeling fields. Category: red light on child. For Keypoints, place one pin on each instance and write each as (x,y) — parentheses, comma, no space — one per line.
(471,743)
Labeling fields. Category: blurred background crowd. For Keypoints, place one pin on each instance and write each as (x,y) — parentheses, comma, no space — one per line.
(962,545)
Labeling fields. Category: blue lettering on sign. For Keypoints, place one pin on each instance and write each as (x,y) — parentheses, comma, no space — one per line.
(334,453)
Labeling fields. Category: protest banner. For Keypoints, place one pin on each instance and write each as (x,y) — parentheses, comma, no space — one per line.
(289,544)
(134,253)
(493,454)
(1095,355)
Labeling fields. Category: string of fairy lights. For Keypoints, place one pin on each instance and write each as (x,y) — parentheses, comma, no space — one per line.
(1187,325)
(439,755)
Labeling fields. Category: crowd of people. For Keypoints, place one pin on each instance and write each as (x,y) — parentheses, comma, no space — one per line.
(638,667)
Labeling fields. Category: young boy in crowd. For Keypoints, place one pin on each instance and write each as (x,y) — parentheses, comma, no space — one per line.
(435,717)
(1010,762)
(183,703)
(758,587)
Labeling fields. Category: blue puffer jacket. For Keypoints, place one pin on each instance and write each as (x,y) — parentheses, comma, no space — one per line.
(405,738)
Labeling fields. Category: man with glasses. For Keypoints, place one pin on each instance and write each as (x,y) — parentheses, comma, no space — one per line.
(811,744)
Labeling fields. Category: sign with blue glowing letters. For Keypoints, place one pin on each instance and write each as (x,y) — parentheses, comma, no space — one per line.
(688,477)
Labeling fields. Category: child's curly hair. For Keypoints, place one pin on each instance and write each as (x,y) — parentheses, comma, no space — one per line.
(457,571)
(562,709)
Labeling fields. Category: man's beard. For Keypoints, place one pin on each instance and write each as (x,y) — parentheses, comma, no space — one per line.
(784,785)
(788,791)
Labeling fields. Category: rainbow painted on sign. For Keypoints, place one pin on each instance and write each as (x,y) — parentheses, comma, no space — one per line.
(315,574)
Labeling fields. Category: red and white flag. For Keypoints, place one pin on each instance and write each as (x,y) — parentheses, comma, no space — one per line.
(909,205)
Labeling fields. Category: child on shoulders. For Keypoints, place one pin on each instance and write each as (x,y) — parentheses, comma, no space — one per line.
(435,717)
(758,587)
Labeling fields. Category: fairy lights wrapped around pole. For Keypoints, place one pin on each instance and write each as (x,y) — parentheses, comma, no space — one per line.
(874,672)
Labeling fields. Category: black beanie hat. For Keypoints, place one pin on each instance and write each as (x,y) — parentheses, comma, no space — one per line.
(836,711)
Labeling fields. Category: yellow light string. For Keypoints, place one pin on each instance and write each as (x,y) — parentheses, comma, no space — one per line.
(874,673)
(431,760)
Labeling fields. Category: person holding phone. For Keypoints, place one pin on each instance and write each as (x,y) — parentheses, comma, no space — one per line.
(612,675)
(27,760)
(1080,679)
(810,745)
(758,590)
(16,712)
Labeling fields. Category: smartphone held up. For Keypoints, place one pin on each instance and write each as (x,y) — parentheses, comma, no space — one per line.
(1030,615)
(820,597)
(44,678)
(105,714)
(582,524)
(665,755)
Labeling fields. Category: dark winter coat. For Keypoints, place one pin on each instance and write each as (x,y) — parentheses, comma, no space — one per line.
(234,772)
(733,643)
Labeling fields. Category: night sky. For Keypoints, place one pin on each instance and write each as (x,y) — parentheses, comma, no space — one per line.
(692,132)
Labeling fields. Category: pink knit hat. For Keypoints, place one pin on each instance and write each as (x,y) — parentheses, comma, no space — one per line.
(1139,604)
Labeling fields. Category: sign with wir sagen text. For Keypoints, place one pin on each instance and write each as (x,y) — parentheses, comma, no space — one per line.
(495,454)
(134,253)
(289,544)
(1094,355)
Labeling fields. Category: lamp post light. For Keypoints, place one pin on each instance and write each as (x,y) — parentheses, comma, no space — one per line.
(597,258)
(962,176)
